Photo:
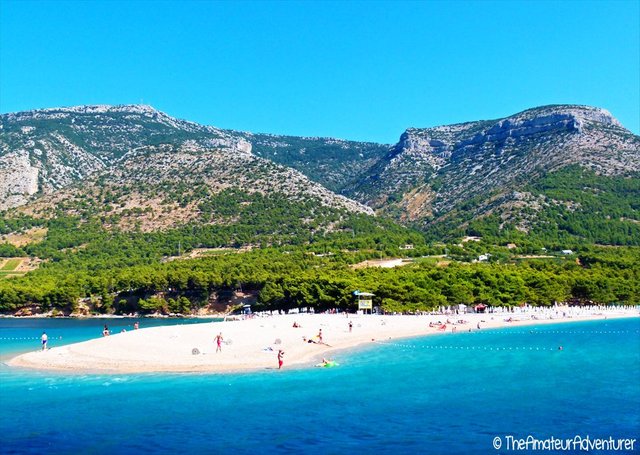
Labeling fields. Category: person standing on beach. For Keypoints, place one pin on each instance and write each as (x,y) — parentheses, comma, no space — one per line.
(280,359)
(44,339)
(350,326)
(219,342)
(320,336)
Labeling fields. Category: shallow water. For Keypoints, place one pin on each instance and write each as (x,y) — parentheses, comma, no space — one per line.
(450,393)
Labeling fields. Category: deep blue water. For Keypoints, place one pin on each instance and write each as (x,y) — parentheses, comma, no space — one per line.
(450,393)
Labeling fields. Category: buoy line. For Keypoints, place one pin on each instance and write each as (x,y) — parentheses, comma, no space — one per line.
(543,332)
(27,338)
(471,348)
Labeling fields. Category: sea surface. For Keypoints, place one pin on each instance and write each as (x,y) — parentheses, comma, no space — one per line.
(449,393)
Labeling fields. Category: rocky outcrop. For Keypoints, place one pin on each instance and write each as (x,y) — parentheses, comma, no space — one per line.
(463,161)
(219,170)
(543,120)
(62,146)
(18,179)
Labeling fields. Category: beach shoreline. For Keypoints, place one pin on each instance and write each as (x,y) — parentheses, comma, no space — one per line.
(116,316)
(252,344)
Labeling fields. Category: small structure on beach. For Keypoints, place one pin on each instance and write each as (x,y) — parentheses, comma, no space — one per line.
(365,301)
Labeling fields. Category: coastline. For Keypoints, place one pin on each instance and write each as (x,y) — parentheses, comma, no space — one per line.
(252,345)
(115,316)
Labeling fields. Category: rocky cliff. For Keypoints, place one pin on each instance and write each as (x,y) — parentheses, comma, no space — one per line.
(432,170)
(45,150)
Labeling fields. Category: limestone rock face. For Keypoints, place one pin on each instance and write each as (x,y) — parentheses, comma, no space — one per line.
(65,145)
(462,161)
(18,179)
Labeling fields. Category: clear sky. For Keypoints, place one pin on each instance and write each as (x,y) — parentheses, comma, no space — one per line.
(354,70)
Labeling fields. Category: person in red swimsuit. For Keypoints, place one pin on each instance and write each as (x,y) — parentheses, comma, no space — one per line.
(280,358)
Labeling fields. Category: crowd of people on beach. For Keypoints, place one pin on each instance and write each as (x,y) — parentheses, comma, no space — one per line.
(527,312)
(513,314)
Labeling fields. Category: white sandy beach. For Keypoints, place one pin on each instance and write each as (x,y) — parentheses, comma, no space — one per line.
(253,344)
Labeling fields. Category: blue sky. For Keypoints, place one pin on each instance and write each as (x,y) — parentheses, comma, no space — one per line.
(355,70)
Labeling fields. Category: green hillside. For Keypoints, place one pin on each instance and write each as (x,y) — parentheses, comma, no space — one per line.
(567,208)
(125,272)
(334,163)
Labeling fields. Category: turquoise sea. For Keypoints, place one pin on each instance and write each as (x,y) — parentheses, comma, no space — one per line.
(450,393)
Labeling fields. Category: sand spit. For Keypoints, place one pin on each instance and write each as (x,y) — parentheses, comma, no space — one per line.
(253,344)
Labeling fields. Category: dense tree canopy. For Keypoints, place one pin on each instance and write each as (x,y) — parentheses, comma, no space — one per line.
(300,254)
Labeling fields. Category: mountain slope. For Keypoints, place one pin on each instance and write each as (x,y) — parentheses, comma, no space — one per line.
(47,149)
(483,176)
(472,167)
(44,150)
(161,187)
(135,168)
(335,163)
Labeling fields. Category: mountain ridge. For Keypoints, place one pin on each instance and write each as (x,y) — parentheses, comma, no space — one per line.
(462,158)
(430,176)
(44,150)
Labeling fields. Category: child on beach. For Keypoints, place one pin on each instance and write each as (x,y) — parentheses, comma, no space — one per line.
(219,342)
